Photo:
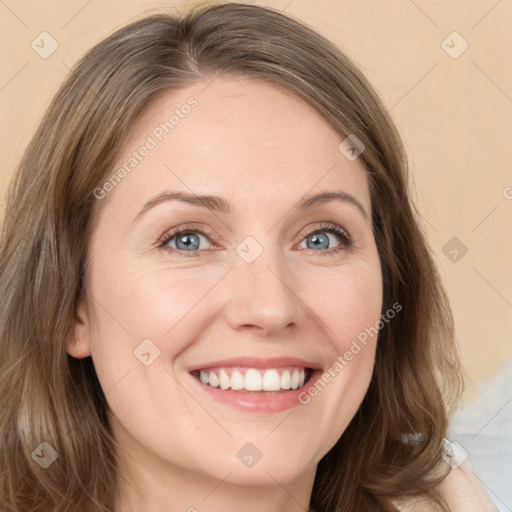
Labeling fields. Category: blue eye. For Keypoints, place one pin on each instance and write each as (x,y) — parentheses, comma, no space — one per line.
(319,239)
(186,241)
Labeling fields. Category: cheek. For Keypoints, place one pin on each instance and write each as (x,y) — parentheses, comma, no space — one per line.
(348,302)
(150,300)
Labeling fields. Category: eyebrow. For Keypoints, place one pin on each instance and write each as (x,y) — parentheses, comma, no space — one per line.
(219,204)
(213,203)
(325,197)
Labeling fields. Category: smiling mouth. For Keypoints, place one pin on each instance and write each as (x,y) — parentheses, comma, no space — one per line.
(250,380)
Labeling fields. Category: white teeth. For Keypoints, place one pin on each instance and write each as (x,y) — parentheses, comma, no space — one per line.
(271,381)
(295,379)
(237,380)
(213,379)
(224,380)
(302,378)
(286,382)
(254,379)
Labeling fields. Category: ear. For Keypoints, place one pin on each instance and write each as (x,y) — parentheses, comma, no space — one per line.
(80,345)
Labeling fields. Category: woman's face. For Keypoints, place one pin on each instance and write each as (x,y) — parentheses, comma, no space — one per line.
(257,287)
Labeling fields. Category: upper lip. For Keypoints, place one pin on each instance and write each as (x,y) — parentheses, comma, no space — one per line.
(256,362)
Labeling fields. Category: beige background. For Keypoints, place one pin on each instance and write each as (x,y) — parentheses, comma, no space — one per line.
(454,113)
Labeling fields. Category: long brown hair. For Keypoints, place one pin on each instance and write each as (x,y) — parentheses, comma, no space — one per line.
(50,397)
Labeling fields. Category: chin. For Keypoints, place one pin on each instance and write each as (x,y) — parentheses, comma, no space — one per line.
(253,467)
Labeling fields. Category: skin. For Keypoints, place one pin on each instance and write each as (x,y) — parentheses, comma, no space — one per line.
(262,149)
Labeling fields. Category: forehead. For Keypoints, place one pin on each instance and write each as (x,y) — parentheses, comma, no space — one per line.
(236,135)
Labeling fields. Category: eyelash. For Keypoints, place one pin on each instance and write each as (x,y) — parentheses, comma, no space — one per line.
(346,241)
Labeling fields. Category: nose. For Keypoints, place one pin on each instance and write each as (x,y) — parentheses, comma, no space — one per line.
(263,296)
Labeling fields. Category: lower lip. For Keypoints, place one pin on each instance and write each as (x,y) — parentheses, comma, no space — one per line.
(259,401)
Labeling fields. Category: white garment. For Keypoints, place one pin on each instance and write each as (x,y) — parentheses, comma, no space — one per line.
(462,490)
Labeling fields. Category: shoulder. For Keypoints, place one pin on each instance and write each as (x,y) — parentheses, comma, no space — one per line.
(462,491)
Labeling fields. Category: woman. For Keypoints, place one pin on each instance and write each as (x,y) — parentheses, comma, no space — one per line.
(216,293)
